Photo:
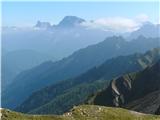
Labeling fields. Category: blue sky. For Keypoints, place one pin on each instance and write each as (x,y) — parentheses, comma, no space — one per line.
(27,13)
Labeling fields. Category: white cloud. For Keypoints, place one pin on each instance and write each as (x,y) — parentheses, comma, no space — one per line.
(117,24)
(142,18)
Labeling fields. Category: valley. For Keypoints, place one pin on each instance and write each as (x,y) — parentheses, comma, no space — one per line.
(67,60)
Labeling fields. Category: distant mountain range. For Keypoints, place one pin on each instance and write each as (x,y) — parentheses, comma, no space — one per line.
(46,38)
(64,95)
(43,25)
(136,91)
(66,22)
(148,30)
(55,42)
(79,62)
(68,34)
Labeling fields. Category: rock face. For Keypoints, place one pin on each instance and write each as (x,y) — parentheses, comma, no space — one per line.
(148,104)
(137,91)
(158,111)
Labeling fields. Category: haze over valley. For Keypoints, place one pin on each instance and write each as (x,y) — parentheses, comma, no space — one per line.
(76,64)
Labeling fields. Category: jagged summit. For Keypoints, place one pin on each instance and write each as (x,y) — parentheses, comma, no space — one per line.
(67,21)
(44,25)
(70,21)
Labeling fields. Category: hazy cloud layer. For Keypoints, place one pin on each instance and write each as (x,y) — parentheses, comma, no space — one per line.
(118,24)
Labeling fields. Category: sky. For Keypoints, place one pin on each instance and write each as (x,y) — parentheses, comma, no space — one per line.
(28,13)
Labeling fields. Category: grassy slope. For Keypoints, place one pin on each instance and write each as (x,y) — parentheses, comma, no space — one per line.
(84,112)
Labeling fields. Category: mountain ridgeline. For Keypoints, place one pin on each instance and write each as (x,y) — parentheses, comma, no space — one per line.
(78,70)
(65,94)
(138,91)
(45,41)
(69,67)
(147,30)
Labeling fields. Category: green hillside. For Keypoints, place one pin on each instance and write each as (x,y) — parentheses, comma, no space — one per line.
(66,94)
(84,112)
(80,61)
